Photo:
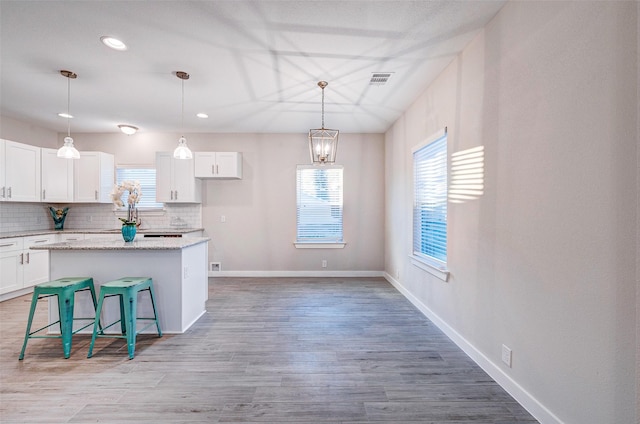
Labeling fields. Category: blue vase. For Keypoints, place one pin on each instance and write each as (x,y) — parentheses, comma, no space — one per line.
(128,232)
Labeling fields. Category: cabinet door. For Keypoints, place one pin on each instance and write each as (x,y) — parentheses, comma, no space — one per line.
(94,177)
(57,177)
(164,177)
(3,184)
(11,259)
(22,173)
(204,164)
(36,262)
(184,182)
(228,165)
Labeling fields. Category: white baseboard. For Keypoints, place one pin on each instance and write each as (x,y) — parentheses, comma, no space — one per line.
(275,274)
(530,403)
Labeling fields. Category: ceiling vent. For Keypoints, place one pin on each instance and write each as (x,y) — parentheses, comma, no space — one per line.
(380,78)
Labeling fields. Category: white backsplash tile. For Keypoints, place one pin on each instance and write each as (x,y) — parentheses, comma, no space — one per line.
(18,216)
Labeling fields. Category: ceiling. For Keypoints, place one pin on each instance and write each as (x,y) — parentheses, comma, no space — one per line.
(254,65)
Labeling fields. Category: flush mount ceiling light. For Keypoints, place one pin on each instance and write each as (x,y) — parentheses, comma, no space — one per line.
(182,151)
(128,129)
(68,151)
(113,43)
(323,143)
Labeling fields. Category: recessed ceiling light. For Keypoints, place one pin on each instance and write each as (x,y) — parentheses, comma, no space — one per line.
(128,129)
(113,43)
(65,115)
(202,115)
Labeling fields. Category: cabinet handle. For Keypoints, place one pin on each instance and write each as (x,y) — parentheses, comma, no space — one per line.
(96,194)
(176,195)
(217,172)
(22,259)
(6,245)
(3,191)
(40,241)
(27,257)
(44,194)
(9,191)
(213,169)
(171,194)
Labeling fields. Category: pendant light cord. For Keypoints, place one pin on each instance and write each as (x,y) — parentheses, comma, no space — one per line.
(322,107)
(182,119)
(68,107)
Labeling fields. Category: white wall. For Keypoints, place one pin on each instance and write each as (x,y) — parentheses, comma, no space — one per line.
(260,227)
(545,260)
(22,132)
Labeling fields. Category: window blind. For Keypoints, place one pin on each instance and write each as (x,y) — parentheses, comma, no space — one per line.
(319,204)
(147,179)
(430,200)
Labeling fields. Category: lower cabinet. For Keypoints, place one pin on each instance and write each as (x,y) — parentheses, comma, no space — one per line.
(21,267)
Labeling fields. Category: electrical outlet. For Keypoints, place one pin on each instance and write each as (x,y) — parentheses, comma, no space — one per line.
(324,263)
(223,218)
(506,355)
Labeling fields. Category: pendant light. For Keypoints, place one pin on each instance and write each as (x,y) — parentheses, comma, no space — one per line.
(323,143)
(68,151)
(182,151)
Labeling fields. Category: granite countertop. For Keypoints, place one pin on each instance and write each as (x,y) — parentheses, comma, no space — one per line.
(169,243)
(163,231)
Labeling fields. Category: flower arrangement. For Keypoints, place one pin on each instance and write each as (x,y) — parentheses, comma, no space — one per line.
(135,192)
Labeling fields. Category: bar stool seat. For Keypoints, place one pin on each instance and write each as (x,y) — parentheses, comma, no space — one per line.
(65,289)
(127,289)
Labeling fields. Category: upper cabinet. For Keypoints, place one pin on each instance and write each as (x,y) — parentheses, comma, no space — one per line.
(94,177)
(175,180)
(57,177)
(20,170)
(221,165)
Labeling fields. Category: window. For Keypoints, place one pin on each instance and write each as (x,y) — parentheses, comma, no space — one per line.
(147,178)
(430,202)
(319,204)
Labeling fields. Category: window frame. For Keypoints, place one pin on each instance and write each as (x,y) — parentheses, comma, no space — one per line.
(159,206)
(434,265)
(302,243)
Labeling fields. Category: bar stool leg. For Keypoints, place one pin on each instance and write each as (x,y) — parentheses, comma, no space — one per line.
(65,309)
(153,305)
(131,316)
(96,324)
(34,301)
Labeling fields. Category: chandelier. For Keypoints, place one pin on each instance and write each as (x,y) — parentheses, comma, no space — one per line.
(323,143)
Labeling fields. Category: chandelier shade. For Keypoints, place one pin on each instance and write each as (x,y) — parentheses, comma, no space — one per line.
(68,150)
(323,142)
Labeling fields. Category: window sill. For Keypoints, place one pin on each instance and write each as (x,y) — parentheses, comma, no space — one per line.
(432,267)
(319,245)
(122,213)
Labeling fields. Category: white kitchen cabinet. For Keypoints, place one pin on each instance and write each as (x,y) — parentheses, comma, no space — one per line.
(175,180)
(21,172)
(20,267)
(94,177)
(56,176)
(218,165)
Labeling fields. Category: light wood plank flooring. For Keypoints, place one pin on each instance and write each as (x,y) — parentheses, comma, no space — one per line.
(285,350)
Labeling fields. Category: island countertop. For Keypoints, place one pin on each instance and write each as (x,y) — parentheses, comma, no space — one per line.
(161,243)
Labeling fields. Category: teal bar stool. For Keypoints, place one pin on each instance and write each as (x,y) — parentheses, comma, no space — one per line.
(65,289)
(127,288)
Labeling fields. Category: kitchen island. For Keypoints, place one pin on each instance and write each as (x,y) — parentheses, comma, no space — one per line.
(177,265)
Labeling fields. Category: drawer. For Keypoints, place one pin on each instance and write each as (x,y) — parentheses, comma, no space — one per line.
(11,244)
(37,240)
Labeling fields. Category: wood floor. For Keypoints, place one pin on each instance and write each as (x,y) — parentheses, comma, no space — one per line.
(285,350)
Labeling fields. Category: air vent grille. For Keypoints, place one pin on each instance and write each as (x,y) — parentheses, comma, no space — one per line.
(380,78)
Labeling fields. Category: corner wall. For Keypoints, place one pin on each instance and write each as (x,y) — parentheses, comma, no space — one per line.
(545,260)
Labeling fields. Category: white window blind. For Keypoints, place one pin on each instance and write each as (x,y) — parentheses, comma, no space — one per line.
(319,204)
(430,200)
(147,178)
